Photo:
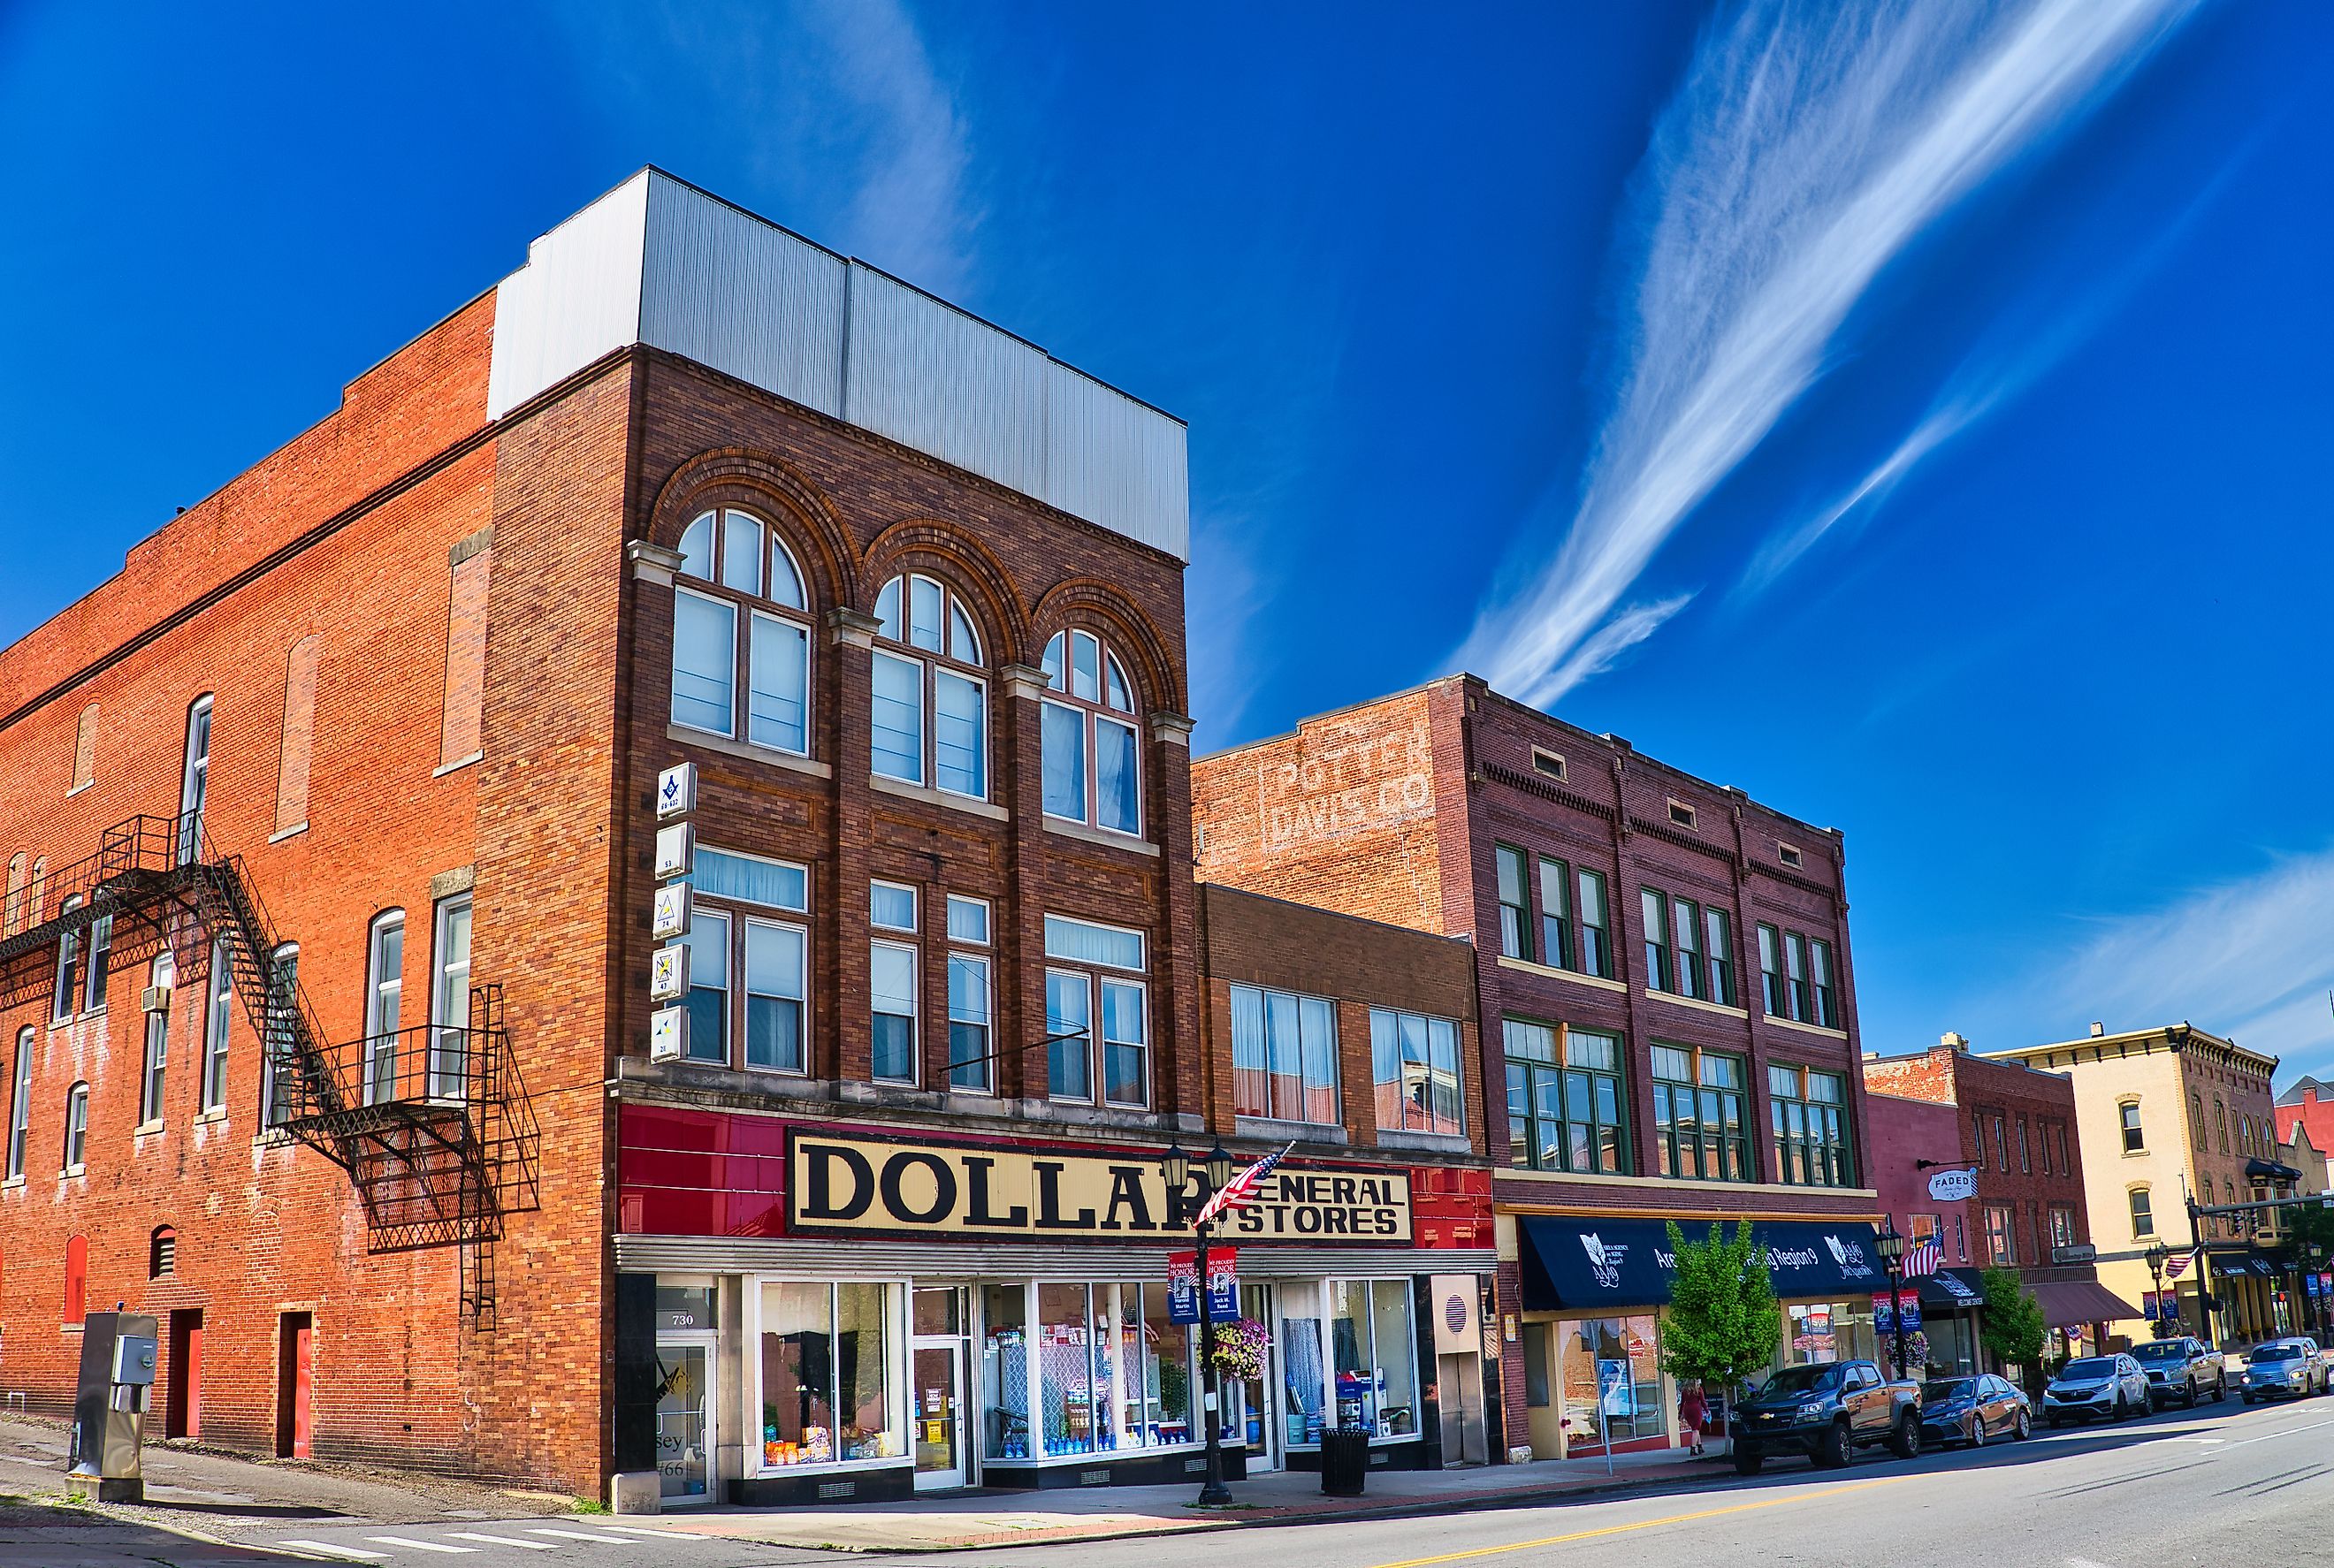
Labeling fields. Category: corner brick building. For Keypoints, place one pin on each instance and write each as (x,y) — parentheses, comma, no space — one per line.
(1667,1019)
(326,970)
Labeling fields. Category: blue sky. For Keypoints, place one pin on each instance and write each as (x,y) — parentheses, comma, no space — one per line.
(1916,416)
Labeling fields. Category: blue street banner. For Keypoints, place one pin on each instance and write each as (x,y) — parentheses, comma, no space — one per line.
(1183,1287)
(1223,1284)
(1908,1307)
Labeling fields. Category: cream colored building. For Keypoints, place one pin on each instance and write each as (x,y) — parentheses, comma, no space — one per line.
(2163,1113)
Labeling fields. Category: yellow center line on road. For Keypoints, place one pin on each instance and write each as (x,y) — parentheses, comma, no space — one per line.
(1645,1524)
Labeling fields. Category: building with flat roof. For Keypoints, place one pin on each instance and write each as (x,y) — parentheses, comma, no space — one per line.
(456,1097)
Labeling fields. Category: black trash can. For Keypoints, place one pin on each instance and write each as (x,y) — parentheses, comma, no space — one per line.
(1345,1461)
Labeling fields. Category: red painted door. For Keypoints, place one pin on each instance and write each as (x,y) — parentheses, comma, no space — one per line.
(182,1411)
(296,1377)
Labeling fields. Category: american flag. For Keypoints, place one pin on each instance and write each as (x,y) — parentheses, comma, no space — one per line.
(1922,1257)
(2179,1266)
(1240,1190)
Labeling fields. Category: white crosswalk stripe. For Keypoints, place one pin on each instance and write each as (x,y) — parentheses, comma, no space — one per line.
(503,1541)
(419,1545)
(581,1536)
(653,1534)
(331,1549)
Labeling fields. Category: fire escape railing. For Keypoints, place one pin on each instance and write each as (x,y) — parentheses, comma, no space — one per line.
(432,1122)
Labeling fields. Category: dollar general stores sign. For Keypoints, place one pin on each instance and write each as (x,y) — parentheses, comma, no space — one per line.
(866,1184)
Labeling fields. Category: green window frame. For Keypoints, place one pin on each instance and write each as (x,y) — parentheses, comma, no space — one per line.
(1565,1100)
(1702,1129)
(1718,953)
(1827,994)
(1515,903)
(1555,913)
(1808,1113)
(1593,918)
(1795,975)
(1654,915)
(1771,970)
(1685,945)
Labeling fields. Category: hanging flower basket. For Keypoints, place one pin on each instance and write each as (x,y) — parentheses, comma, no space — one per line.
(1240,1348)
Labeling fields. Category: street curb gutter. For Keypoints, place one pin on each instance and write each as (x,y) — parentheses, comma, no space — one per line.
(1412,1508)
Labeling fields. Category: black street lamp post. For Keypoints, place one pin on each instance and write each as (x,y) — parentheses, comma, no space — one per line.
(2157,1256)
(1891,1254)
(1217,1168)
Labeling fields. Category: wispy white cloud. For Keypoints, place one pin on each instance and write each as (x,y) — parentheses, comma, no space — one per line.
(2248,959)
(1810,145)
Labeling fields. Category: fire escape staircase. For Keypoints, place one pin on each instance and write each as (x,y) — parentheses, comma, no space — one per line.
(431,1124)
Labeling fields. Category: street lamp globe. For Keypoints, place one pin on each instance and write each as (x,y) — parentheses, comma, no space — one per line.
(1176,1167)
(1220,1166)
(1892,1244)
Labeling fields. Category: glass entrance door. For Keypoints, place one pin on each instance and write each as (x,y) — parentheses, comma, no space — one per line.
(1253,1408)
(936,1388)
(684,1419)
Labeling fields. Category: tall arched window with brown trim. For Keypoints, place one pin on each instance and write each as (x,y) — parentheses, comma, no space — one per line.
(929,719)
(741,634)
(1093,750)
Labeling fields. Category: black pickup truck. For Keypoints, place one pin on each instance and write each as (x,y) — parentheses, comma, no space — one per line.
(1827,1412)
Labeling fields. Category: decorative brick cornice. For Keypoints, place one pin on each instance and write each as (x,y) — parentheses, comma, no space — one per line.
(1026,681)
(1531,783)
(651,563)
(1171,729)
(852,628)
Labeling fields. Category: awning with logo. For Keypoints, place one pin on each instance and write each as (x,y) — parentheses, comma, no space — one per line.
(1950,1290)
(1576,1264)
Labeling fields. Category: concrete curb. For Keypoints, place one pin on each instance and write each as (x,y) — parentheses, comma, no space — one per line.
(1408,1508)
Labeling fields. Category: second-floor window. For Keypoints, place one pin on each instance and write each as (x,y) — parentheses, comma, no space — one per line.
(1809,1112)
(218,1003)
(2000,1244)
(1414,1060)
(2062,1225)
(749,921)
(970,995)
(76,1128)
(1092,749)
(384,1005)
(1284,1055)
(279,1037)
(1564,1099)
(1796,974)
(741,625)
(1688,948)
(2143,1214)
(1700,1126)
(1574,930)
(891,982)
(930,721)
(162,974)
(1515,904)
(1097,1012)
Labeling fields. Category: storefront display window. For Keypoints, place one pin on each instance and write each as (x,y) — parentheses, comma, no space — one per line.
(1005,1373)
(1159,1411)
(1065,1367)
(1113,1373)
(826,1374)
(1300,1368)
(1371,1346)
(1831,1332)
(1613,1381)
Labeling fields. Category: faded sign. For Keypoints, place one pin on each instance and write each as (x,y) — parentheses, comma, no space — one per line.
(1344,781)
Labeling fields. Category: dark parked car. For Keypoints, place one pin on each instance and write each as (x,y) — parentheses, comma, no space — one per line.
(1826,1411)
(2181,1368)
(2287,1369)
(1972,1410)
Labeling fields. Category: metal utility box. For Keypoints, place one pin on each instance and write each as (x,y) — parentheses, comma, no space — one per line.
(119,1353)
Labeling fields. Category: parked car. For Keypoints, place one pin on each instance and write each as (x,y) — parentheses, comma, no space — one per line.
(2108,1388)
(1972,1410)
(2182,1368)
(1826,1411)
(2287,1369)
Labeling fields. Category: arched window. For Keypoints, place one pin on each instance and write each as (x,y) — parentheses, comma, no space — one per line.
(2221,1119)
(2196,1117)
(162,1252)
(1092,759)
(741,576)
(931,710)
(16,906)
(76,1128)
(36,891)
(384,1004)
(20,1103)
(194,783)
(159,974)
(76,1278)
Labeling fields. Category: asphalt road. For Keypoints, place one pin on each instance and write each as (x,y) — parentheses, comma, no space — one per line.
(2221,1486)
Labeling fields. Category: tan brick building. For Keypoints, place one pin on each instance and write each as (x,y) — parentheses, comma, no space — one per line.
(326,971)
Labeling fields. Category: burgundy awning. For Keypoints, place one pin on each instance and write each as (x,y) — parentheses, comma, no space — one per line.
(2067,1301)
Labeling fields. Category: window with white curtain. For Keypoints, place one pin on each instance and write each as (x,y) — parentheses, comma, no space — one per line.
(1092,756)
(748,962)
(741,626)
(1096,1013)
(930,717)
(1284,1055)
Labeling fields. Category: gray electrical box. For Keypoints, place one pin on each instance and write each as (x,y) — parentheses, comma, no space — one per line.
(119,1353)
(134,1356)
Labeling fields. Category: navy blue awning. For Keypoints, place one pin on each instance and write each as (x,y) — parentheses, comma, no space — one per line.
(1580,1264)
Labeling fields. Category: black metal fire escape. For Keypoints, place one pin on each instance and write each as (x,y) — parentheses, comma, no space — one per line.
(432,1122)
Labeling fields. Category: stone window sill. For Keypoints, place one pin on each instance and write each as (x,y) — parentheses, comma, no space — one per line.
(1699,1005)
(740,749)
(1807,1028)
(1596,982)
(925,793)
(1079,831)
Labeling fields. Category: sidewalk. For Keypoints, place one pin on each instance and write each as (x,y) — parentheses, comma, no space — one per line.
(966,1521)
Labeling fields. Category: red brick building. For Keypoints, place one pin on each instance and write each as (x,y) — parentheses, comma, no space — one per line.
(335,888)
(2014,1128)
(1914,1142)
(1668,1012)
(2306,1103)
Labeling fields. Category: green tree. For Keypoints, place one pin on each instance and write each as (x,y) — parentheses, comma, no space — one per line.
(2011,1323)
(1724,1322)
